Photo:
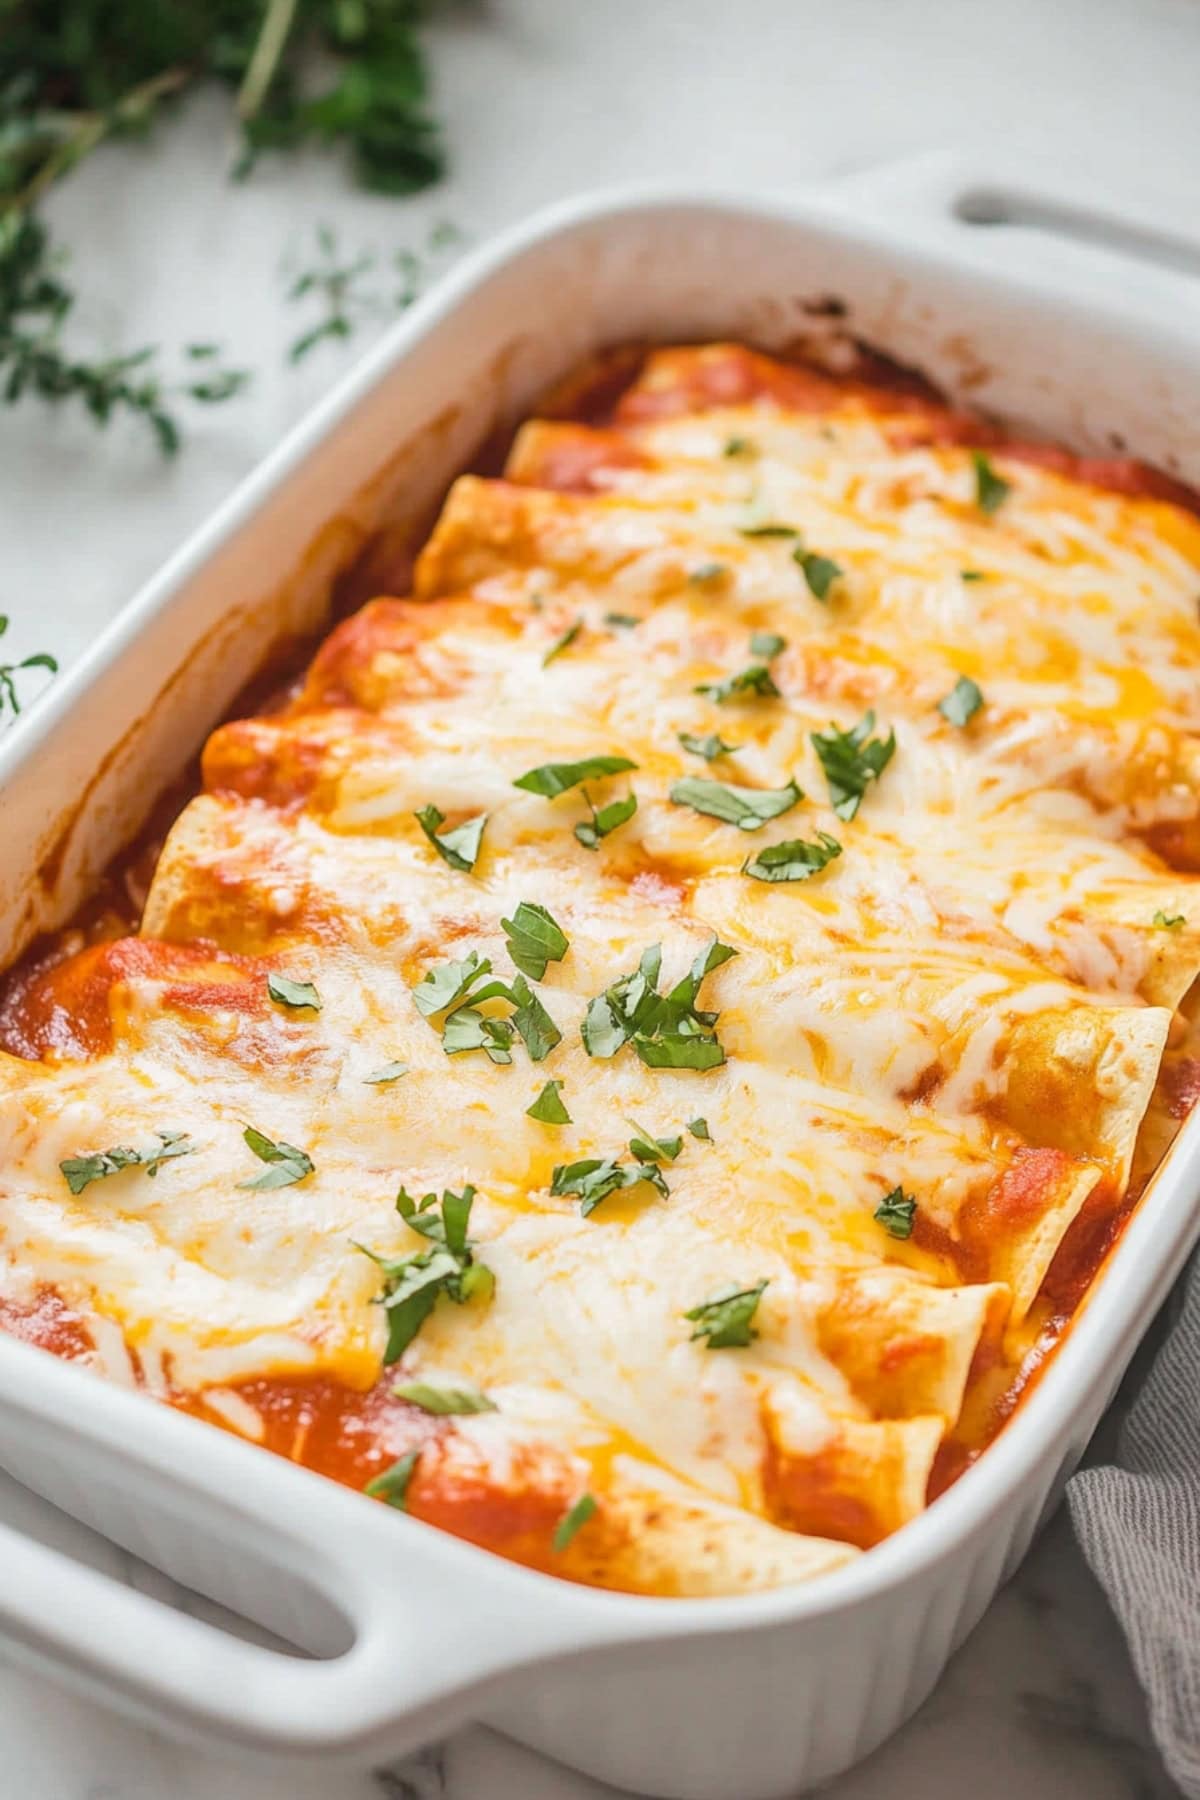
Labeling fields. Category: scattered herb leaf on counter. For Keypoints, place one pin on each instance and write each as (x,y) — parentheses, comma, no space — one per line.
(459,846)
(9,671)
(95,1165)
(851,761)
(293,993)
(726,1317)
(963,701)
(571,1521)
(548,1108)
(393,1484)
(795,859)
(895,1213)
(285,1163)
(991,490)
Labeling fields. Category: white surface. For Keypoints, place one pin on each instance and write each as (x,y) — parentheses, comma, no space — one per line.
(542,99)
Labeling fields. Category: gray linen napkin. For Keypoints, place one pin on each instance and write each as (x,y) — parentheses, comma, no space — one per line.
(1137,1519)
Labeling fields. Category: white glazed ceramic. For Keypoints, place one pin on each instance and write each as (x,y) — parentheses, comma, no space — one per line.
(1084,328)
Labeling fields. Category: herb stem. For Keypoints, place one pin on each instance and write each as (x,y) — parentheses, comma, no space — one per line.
(91,128)
(269,47)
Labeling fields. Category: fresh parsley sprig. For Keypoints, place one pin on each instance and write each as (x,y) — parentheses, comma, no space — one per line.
(9,671)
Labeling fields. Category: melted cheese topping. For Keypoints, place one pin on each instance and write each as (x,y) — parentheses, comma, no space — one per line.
(970,1003)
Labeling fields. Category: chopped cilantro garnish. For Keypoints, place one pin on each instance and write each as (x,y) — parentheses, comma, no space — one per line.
(443,1402)
(795,859)
(851,761)
(651,1149)
(534,939)
(411,1284)
(895,1213)
(738,446)
(293,993)
(460,846)
(563,642)
(767,644)
(532,1021)
(710,746)
(448,984)
(452,988)
(553,779)
(468,1029)
(748,808)
(604,820)
(972,574)
(1169,921)
(572,1520)
(393,1484)
(705,573)
(285,1164)
(667,1030)
(725,1319)
(548,1108)
(622,621)
(963,701)
(594,1178)
(820,572)
(769,530)
(389,1072)
(757,680)
(991,490)
(699,1129)
(96,1165)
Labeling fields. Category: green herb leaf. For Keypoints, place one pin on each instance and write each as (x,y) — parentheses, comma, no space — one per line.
(851,761)
(562,642)
(972,574)
(443,1402)
(553,779)
(726,1318)
(605,820)
(293,993)
(991,490)
(393,1484)
(534,939)
(548,1108)
(534,1023)
(706,573)
(411,1284)
(460,846)
(680,1050)
(753,682)
(389,1072)
(286,1164)
(963,701)
(748,808)
(738,446)
(96,1165)
(651,1149)
(895,1213)
(769,530)
(569,1524)
(767,644)
(449,983)
(699,1129)
(466,1029)
(1169,921)
(622,621)
(820,572)
(630,1004)
(710,747)
(792,860)
(594,1178)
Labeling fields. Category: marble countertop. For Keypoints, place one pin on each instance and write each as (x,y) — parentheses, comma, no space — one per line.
(543,98)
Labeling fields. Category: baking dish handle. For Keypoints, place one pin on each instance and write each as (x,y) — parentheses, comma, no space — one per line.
(410,1673)
(994,208)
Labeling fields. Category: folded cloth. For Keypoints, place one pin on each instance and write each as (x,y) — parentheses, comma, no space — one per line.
(1138,1523)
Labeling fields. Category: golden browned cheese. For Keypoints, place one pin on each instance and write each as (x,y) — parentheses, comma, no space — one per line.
(933,1048)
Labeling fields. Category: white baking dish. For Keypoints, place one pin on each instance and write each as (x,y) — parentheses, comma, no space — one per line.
(410,1631)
